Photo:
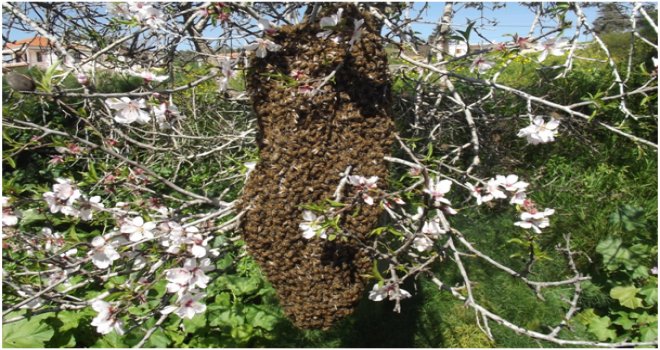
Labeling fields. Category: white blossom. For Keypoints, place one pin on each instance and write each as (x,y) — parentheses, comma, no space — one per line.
(106,321)
(518,198)
(511,183)
(494,190)
(481,64)
(540,131)
(390,290)
(197,243)
(62,198)
(363,185)
(266,26)
(432,228)
(312,225)
(187,307)
(330,21)
(8,217)
(138,229)
(103,252)
(88,206)
(148,76)
(536,220)
(166,113)
(227,72)
(262,46)
(147,14)
(422,243)
(197,270)
(554,47)
(476,191)
(357,32)
(437,190)
(178,279)
(128,111)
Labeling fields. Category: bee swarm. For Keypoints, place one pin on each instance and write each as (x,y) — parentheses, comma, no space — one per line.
(306,141)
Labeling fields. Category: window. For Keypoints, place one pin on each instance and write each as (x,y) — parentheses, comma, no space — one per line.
(7,57)
(77,56)
(39,57)
(20,57)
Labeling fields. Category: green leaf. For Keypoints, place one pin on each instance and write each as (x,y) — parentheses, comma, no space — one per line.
(624,321)
(32,333)
(649,333)
(69,319)
(158,339)
(650,293)
(626,296)
(599,327)
(263,320)
(110,340)
(192,325)
(31,216)
(585,317)
(11,162)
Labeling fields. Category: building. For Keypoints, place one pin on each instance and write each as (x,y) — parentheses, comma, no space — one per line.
(37,52)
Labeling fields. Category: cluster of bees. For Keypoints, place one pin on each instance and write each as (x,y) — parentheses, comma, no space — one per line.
(306,141)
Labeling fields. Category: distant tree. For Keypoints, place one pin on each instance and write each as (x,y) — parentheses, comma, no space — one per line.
(612,17)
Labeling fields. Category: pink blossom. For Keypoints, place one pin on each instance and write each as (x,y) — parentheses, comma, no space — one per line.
(481,64)
(262,46)
(187,307)
(106,321)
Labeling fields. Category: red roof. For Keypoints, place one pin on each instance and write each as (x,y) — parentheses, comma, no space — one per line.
(37,41)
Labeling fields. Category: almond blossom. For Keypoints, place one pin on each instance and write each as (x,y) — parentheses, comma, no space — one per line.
(166,113)
(535,220)
(554,47)
(138,229)
(511,183)
(106,321)
(312,225)
(437,190)
(103,252)
(8,217)
(148,76)
(432,228)
(128,111)
(331,21)
(476,191)
(187,307)
(148,15)
(82,79)
(540,131)
(62,198)
(178,280)
(363,185)
(227,72)
(197,243)
(266,26)
(262,46)
(357,32)
(422,243)
(197,270)
(481,64)
(518,198)
(388,291)
(88,206)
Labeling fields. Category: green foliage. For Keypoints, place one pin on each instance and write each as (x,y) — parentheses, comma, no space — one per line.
(627,276)
(30,332)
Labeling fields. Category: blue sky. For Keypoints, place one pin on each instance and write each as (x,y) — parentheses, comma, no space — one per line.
(513,18)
